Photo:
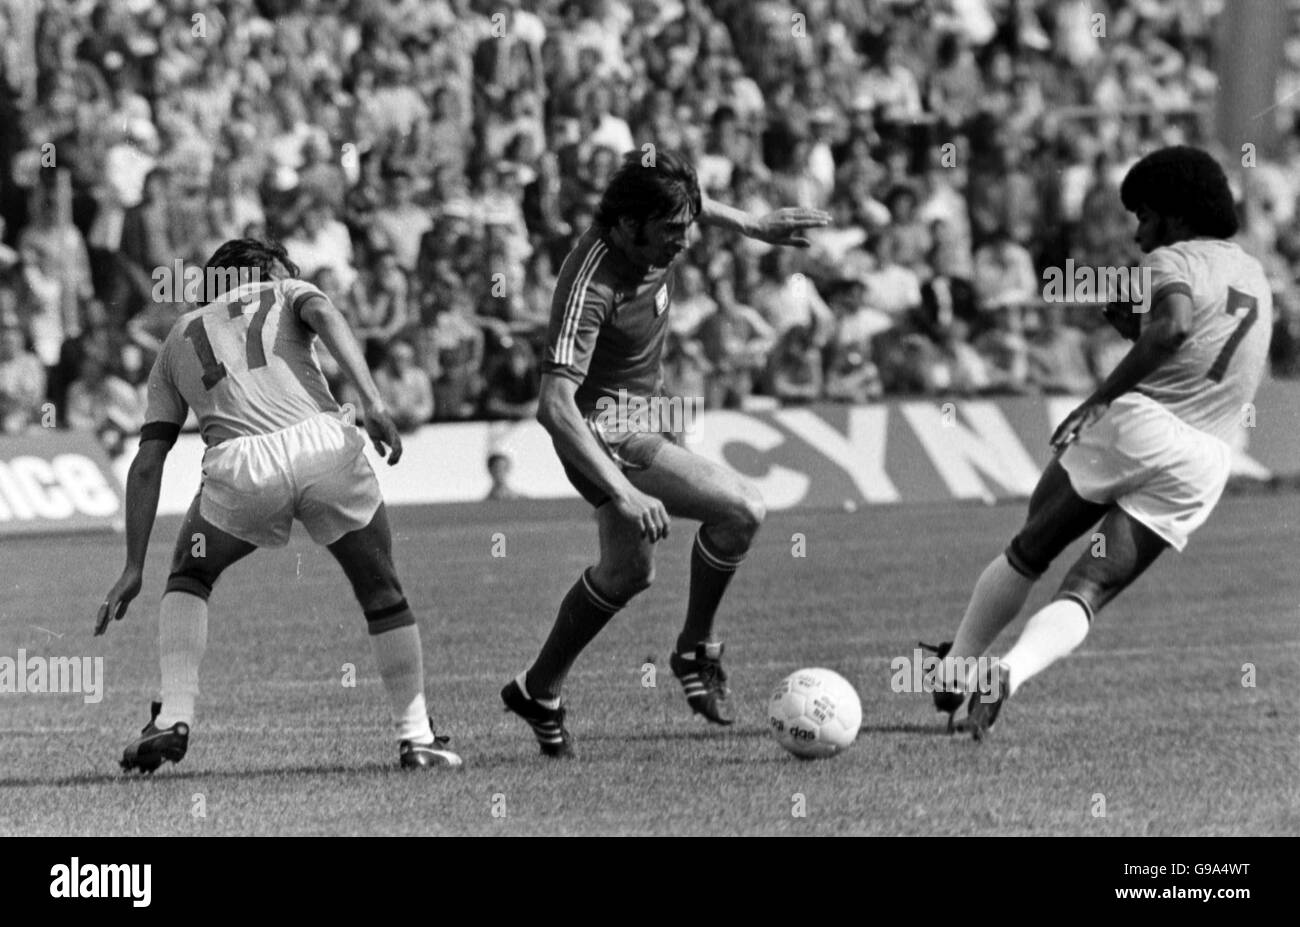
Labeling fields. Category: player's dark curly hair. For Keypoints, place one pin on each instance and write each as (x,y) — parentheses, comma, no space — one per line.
(646,187)
(249,254)
(1185,182)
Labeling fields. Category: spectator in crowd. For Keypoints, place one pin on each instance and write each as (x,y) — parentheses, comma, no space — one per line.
(851,374)
(499,466)
(895,288)
(948,294)
(736,341)
(910,235)
(8,255)
(41,302)
(1006,353)
(1004,275)
(418,157)
(1058,355)
(404,387)
(102,402)
(386,299)
(787,298)
(795,370)
(22,378)
(454,356)
(322,242)
(401,223)
(512,382)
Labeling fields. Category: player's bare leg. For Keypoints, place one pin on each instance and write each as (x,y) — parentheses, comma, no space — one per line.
(202,553)
(1057,516)
(625,568)
(366,556)
(1059,627)
(730,511)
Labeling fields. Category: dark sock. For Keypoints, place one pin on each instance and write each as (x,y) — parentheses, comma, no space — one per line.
(584,611)
(710,574)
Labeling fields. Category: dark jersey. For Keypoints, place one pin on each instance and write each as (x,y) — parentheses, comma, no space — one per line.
(609,319)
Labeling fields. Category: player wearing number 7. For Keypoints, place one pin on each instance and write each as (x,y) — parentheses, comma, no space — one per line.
(1147,454)
(279,448)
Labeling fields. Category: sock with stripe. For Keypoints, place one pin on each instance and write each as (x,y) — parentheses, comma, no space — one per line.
(395,640)
(1051,632)
(999,594)
(584,611)
(182,639)
(711,573)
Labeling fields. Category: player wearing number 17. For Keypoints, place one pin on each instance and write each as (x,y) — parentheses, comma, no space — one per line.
(1147,454)
(279,448)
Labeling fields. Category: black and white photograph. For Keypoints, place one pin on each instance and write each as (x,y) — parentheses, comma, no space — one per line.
(651,418)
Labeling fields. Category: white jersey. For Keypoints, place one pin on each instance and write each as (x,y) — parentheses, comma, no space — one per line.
(245,363)
(1217,370)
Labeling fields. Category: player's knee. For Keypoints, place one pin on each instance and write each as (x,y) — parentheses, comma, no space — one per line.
(1027,558)
(192,581)
(745,514)
(372,576)
(377,592)
(753,510)
(1091,588)
(195,575)
(626,579)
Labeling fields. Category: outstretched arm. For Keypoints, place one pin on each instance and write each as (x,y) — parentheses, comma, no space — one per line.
(143,485)
(779,227)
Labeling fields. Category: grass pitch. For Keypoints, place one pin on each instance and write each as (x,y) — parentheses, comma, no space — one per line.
(1148,730)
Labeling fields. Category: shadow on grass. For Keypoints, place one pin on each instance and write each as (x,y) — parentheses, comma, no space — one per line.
(165,776)
(931,729)
(705,733)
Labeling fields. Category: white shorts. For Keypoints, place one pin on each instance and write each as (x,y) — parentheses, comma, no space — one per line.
(315,471)
(1153,465)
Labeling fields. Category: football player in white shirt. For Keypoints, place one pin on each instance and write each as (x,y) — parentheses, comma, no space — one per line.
(279,450)
(1147,454)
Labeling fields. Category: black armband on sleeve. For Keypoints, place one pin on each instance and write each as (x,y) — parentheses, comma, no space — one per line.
(160,431)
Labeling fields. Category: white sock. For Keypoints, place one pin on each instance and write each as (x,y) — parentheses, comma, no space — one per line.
(551,703)
(182,638)
(1051,633)
(401,666)
(999,594)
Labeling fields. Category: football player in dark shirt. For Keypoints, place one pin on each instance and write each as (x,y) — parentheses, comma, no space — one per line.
(618,437)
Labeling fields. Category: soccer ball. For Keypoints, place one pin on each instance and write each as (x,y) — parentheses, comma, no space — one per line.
(814,713)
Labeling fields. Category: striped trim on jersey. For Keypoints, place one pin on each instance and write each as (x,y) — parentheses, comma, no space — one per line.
(573,306)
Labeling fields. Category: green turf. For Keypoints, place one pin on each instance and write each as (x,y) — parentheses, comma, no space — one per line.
(1151,713)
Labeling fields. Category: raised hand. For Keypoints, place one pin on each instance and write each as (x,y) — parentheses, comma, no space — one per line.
(786,226)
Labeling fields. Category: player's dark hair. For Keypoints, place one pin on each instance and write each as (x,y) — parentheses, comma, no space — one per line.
(645,188)
(1185,182)
(249,254)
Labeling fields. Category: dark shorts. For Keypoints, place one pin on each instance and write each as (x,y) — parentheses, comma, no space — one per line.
(630,450)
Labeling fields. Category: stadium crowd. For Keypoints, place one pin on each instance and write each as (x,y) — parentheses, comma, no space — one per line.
(428,163)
